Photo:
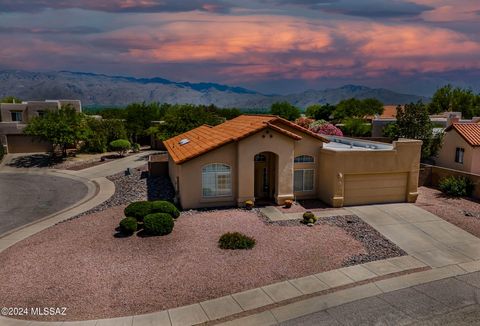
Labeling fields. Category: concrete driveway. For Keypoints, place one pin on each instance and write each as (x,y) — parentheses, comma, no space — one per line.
(26,197)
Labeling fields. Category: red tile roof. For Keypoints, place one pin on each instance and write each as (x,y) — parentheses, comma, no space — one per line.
(469,131)
(206,138)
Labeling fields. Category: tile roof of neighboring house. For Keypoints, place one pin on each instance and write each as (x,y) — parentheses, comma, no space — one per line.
(206,138)
(389,112)
(469,131)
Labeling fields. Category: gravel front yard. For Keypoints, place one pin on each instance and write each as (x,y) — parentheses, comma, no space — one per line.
(452,210)
(80,265)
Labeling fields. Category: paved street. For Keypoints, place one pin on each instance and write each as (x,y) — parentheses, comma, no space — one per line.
(26,197)
(452,301)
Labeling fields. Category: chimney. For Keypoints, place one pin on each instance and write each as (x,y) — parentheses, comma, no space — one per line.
(452,118)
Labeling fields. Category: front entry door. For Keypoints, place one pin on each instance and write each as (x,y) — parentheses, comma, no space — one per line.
(261,180)
(264,178)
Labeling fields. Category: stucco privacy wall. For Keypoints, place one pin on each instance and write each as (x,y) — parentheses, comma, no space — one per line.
(336,166)
(446,156)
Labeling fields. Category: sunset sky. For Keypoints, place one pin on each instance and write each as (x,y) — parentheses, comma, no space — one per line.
(273,46)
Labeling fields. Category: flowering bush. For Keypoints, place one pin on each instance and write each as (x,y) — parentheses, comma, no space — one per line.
(327,129)
(304,122)
(318,123)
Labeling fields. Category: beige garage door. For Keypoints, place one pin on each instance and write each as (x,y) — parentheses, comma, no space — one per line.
(375,188)
(26,144)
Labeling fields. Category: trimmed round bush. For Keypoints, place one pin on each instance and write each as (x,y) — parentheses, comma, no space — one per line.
(128,225)
(162,206)
(456,186)
(158,224)
(121,146)
(309,217)
(236,240)
(138,210)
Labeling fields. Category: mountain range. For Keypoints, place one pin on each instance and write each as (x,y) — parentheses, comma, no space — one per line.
(97,90)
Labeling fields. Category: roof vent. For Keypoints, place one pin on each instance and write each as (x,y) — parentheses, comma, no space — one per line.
(184,141)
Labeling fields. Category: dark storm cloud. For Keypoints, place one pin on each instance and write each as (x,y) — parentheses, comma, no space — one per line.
(116,6)
(80,30)
(366,8)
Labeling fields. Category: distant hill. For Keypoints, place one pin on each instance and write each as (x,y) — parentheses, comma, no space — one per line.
(102,90)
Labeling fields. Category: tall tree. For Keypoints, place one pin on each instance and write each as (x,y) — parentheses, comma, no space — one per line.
(355,108)
(456,99)
(285,110)
(320,112)
(10,99)
(413,122)
(62,128)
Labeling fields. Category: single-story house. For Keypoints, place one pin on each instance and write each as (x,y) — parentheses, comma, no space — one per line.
(461,147)
(264,157)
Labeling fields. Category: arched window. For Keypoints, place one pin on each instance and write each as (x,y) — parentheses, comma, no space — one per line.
(216,180)
(304,159)
(260,158)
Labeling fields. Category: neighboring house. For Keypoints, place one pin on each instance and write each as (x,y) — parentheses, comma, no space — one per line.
(15,117)
(461,147)
(267,158)
(389,115)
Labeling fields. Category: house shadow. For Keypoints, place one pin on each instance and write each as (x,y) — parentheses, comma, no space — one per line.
(158,187)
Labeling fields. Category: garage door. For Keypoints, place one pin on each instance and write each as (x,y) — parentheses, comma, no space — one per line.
(375,188)
(26,144)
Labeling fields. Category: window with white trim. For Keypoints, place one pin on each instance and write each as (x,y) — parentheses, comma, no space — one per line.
(303,180)
(459,153)
(304,159)
(216,180)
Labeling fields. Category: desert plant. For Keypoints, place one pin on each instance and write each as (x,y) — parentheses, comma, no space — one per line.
(128,225)
(456,186)
(162,206)
(121,146)
(288,203)
(158,224)
(138,210)
(309,217)
(248,204)
(236,240)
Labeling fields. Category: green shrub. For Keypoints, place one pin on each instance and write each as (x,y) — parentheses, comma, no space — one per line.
(136,147)
(2,152)
(121,146)
(236,240)
(456,186)
(309,217)
(128,225)
(138,210)
(162,206)
(158,224)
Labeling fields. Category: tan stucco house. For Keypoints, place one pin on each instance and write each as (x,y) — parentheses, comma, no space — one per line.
(264,157)
(461,148)
(15,117)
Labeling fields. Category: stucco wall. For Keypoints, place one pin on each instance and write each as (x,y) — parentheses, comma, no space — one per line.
(190,178)
(446,155)
(335,165)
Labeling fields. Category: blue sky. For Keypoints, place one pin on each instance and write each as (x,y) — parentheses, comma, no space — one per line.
(274,46)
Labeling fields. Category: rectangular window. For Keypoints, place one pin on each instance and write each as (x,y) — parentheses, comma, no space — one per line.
(16,116)
(303,180)
(459,153)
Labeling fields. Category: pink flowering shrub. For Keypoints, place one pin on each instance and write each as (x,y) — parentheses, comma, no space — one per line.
(327,129)
(304,122)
